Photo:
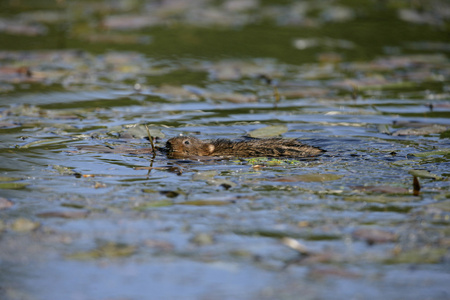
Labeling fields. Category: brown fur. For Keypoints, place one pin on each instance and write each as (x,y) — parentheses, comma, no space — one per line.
(188,146)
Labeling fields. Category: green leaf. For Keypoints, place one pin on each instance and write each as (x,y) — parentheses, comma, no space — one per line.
(424,174)
(268,131)
(13,185)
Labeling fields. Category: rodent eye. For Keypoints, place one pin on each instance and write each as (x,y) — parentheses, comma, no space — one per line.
(186,142)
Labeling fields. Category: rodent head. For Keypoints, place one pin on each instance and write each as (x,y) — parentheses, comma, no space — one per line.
(185,146)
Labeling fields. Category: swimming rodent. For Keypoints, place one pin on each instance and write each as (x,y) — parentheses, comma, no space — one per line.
(188,146)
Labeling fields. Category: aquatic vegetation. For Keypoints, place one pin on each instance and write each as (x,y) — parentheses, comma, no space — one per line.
(92,207)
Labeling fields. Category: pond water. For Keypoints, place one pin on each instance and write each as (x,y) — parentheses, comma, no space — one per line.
(88,212)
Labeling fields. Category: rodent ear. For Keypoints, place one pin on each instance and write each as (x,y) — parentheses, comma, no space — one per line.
(211,148)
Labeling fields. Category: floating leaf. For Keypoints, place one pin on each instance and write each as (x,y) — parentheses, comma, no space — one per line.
(424,174)
(202,239)
(140,131)
(107,250)
(153,204)
(268,131)
(231,97)
(431,153)
(23,225)
(433,129)
(202,176)
(222,182)
(308,178)
(13,185)
(381,198)
(205,203)
(63,170)
(5,178)
(382,189)
(120,149)
(41,143)
(425,255)
(74,214)
(177,93)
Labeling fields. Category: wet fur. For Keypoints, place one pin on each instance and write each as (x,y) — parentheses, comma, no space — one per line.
(187,146)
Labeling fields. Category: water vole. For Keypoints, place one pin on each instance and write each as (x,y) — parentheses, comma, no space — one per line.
(188,146)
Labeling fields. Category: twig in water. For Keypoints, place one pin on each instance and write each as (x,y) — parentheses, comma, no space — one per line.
(151,141)
(276,95)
